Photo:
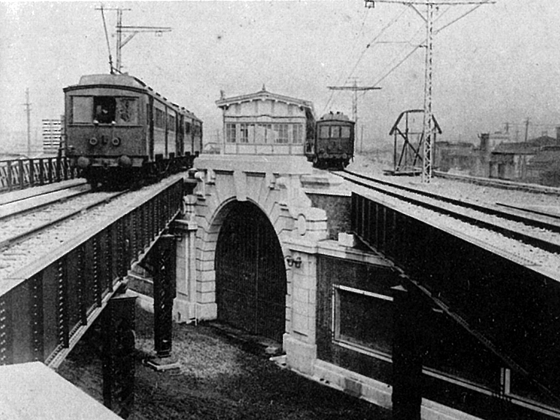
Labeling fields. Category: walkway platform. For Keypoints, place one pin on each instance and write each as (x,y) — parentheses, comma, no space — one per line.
(32,391)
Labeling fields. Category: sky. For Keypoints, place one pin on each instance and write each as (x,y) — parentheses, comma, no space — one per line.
(498,64)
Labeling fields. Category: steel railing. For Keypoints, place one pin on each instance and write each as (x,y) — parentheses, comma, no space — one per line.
(46,307)
(24,173)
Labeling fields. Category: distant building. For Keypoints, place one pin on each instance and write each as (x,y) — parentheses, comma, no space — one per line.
(265,123)
(455,157)
(52,134)
(514,161)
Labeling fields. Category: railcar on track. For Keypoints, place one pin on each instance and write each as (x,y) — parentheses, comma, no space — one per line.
(333,143)
(118,129)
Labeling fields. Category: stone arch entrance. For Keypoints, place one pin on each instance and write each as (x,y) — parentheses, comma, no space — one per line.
(250,272)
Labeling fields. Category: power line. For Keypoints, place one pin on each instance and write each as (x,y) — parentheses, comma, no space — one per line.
(131,30)
(428,17)
(355,89)
(27,106)
(370,44)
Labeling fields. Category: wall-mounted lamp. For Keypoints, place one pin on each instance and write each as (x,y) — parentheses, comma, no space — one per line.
(296,262)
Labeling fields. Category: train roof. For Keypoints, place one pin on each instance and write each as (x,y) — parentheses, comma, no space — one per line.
(339,116)
(123,80)
(112,79)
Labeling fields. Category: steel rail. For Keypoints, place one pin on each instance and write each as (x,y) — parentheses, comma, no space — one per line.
(510,233)
(500,183)
(31,208)
(512,214)
(20,237)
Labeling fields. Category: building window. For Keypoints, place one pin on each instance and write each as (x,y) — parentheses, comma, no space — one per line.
(281,133)
(231,133)
(244,133)
(268,133)
(297,136)
(374,332)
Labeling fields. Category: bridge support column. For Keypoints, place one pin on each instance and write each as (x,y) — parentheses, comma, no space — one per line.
(185,308)
(164,293)
(118,354)
(407,355)
(300,338)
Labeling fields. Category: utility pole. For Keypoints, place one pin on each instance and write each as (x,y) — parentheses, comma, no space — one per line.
(355,89)
(27,106)
(526,130)
(428,17)
(131,30)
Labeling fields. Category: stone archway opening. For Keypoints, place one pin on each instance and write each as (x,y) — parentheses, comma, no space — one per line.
(250,273)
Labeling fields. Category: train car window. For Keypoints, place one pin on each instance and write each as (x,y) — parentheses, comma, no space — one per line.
(105,109)
(345,132)
(324,132)
(159,118)
(187,128)
(170,122)
(126,111)
(82,107)
(335,132)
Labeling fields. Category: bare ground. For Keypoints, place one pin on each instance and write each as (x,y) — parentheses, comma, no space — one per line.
(220,377)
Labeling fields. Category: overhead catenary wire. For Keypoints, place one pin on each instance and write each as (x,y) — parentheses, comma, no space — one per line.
(369,44)
(107,39)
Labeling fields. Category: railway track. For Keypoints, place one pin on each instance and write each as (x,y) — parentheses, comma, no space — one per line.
(27,221)
(537,230)
(39,198)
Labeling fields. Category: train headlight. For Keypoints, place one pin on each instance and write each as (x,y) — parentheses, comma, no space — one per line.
(125,161)
(93,141)
(116,142)
(83,162)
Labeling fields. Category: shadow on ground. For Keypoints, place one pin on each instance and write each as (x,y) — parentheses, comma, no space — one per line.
(220,377)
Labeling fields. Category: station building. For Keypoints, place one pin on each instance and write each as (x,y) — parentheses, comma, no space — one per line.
(265,123)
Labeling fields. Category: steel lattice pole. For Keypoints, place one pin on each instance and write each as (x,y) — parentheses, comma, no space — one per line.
(428,117)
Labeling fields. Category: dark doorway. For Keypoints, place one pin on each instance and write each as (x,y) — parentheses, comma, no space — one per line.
(250,273)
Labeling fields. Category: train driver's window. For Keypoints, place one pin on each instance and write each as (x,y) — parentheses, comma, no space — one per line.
(104,108)
(345,132)
(324,133)
(126,111)
(335,132)
(81,109)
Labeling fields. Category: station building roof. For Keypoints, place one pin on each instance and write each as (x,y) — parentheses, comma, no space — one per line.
(263,94)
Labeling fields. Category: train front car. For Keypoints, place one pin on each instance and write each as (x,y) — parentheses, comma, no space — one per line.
(118,131)
(334,144)
(105,127)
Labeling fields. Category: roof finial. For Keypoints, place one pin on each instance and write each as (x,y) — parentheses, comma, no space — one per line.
(263,88)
